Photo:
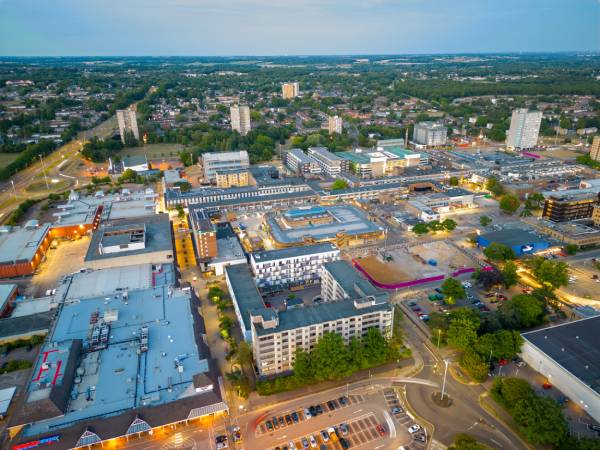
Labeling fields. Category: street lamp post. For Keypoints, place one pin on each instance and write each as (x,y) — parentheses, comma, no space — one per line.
(444,382)
(439,336)
(44,172)
(14,189)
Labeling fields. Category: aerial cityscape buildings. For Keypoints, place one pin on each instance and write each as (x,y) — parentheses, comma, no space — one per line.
(524,129)
(240,119)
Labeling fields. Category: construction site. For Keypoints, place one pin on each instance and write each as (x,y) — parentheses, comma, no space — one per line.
(422,261)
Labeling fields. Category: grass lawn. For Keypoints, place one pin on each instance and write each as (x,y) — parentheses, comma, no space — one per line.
(7,158)
(154,151)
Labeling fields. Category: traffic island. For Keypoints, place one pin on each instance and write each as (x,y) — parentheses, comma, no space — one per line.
(444,402)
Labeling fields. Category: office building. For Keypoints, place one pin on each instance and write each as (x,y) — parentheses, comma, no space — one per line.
(240,119)
(300,163)
(290,90)
(205,234)
(8,295)
(330,163)
(430,134)
(595,149)
(127,120)
(387,160)
(561,206)
(229,250)
(232,178)
(335,124)
(568,356)
(223,161)
(524,129)
(582,233)
(291,267)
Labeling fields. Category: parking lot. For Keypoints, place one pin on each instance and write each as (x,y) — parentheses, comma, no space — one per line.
(292,417)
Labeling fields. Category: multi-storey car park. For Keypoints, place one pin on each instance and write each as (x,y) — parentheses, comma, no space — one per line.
(119,365)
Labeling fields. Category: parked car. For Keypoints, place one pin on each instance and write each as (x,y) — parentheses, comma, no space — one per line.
(281,421)
(269,425)
(304,442)
(414,428)
(319,409)
(344,443)
(288,419)
(313,441)
(343,400)
(325,435)
(380,429)
(275,423)
(396,410)
(420,437)
(295,417)
(344,429)
(331,405)
(307,414)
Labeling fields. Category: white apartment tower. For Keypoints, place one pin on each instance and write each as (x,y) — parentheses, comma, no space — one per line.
(290,90)
(524,129)
(127,120)
(335,125)
(431,134)
(240,119)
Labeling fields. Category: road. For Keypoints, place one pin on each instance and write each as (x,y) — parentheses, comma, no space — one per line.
(465,412)
(10,196)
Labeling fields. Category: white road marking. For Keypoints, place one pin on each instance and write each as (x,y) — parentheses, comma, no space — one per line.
(357,411)
(496,442)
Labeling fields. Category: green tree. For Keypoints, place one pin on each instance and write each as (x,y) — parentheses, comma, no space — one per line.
(509,274)
(571,249)
(484,221)
(523,310)
(475,364)
(449,225)
(499,252)
(304,370)
(357,354)
(375,347)
(509,203)
(508,391)
(244,354)
(453,181)
(466,442)
(552,274)
(452,290)
(339,184)
(330,358)
(541,420)
(494,186)
(462,331)
(420,229)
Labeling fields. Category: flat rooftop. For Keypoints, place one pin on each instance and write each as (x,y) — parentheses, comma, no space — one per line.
(120,374)
(157,237)
(512,237)
(351,281)
(6,290)
(20,244)
(574,346)
(245,291)
(348,219)
(93,283)
(293,252)
(320,313)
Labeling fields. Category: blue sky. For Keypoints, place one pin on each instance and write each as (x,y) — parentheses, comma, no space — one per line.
(276,27)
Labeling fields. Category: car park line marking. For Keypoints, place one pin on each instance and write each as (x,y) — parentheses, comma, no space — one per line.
(357,411)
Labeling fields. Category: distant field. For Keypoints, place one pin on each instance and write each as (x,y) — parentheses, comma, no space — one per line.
(154,151)
(7,158)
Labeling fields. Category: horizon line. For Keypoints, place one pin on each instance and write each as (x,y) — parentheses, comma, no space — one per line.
(308,55)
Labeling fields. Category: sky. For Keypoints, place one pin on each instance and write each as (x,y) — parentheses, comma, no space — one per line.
(295,27)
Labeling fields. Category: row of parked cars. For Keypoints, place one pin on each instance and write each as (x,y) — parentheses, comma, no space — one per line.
(314,410)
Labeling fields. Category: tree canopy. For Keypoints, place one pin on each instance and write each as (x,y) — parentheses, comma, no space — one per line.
(499,252)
